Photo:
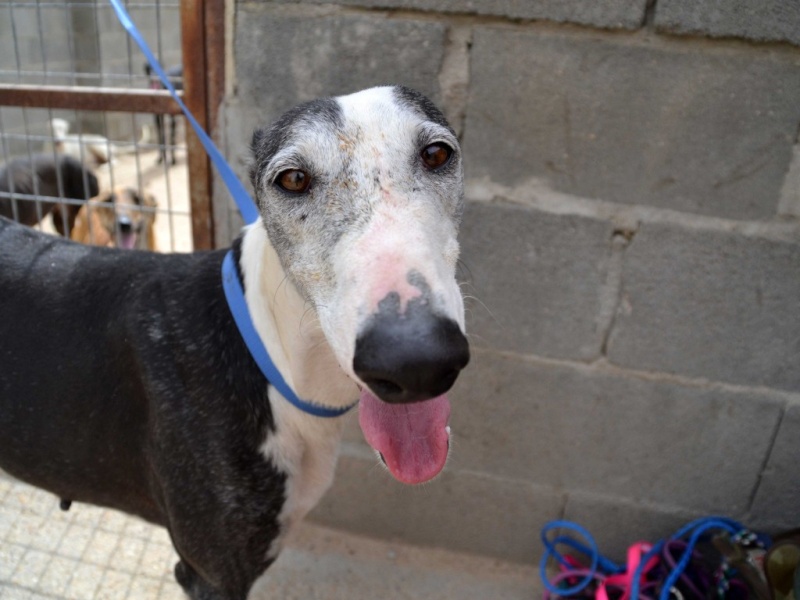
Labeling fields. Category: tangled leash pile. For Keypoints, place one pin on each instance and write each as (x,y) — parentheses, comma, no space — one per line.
(712,557)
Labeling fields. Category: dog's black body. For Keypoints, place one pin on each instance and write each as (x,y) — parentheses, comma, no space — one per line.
(55,176)
(184,408)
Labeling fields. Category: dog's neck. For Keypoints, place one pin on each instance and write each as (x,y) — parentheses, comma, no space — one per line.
(289,327)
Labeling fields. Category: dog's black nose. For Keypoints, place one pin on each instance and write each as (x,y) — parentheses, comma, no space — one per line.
(125,224)
(410,357)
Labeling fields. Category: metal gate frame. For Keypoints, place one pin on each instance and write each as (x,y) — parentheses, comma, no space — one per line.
(202,39)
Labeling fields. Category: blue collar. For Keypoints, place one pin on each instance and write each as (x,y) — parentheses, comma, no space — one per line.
(234,294)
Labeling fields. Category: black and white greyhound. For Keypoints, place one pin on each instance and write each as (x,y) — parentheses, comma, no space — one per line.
(124,381)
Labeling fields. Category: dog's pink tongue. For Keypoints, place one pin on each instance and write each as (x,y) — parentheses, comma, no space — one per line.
(412,438)
(127,240)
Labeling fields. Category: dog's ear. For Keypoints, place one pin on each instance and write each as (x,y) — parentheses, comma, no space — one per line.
(94,185)
(148,201)
(75,176)
(144,199)
(258,138)
(258,135)
(80,231)
(79,176)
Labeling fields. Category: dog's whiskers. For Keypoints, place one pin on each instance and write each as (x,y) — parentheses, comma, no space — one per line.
(483,305)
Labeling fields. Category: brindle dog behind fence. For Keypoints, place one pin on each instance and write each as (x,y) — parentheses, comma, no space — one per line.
(121,218)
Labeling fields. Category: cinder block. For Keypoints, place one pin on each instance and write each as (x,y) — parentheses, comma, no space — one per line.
(469,512)
(237,124)
(776,506)
(677,125)
(616,523)
(763,21)
(580,428)
(282,59)
(612,14)
(710,304)
(536,279)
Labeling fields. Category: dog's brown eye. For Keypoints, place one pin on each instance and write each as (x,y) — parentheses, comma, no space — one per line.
(294,180)
(436,155)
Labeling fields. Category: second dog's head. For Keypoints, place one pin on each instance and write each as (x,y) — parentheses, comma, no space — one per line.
(121,217)
(361,197)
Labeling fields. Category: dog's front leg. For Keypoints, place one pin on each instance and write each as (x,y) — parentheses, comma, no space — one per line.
(194,586)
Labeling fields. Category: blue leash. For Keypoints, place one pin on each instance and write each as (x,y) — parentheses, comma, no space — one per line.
(235,296)
(243,201)
(234,292)
(598,561)
(600,564)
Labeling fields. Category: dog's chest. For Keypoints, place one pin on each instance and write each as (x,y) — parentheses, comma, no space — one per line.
(306,448)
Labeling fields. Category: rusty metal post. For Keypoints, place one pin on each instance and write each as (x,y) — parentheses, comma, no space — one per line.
(196,99)
(89,98)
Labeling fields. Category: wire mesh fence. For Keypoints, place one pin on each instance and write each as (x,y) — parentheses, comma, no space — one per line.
(101,177)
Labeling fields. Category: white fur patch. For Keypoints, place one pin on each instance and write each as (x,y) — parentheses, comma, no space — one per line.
(306,448)
(303,446)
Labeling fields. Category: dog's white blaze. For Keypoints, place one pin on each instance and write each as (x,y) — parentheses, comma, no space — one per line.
(306,448)
(289,327)
(411,231)
(407,232)
(302,446)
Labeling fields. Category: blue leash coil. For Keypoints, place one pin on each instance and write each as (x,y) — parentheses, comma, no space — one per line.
(601,566)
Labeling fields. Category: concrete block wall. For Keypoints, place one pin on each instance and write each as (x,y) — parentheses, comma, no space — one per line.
(631,244)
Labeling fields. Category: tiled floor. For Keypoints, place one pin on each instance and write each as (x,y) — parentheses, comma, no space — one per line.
(83,554)
(90,553)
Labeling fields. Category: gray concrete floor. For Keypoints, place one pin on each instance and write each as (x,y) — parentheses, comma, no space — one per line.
(89,553)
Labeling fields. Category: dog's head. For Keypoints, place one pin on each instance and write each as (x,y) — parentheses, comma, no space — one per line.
(121,217)
(361,196)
